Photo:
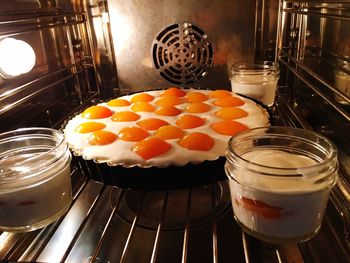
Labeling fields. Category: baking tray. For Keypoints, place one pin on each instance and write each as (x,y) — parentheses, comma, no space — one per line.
(156,178)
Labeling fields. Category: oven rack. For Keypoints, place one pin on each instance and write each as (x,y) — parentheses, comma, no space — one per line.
(71,62)
(34,21)
(96,229)
(89,232)
(310,70)
(326,9)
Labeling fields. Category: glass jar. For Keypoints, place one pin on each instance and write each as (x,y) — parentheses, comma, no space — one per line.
(256,80)
(280,179)
(342,81)
(35,183)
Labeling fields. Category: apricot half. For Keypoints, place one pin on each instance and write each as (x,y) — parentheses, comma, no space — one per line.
(151,147)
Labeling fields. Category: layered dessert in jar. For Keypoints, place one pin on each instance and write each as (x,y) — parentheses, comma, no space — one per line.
(34,206)
(279,194)
(256,80)
(35,183)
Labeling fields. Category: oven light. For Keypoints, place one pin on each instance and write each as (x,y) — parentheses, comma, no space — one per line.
(16,57)
(105,17)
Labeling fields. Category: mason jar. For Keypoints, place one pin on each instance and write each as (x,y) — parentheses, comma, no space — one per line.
(342,81)
(35,183)
(280,179)
(257,80)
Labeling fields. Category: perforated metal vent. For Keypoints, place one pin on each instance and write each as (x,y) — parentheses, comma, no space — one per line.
(182,54)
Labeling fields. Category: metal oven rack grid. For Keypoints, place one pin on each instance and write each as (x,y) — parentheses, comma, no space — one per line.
(91,232)
(94,229)
(311,68)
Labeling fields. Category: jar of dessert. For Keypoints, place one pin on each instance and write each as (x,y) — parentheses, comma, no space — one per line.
(342,81)
(256,80)
(280,179)
(35,183)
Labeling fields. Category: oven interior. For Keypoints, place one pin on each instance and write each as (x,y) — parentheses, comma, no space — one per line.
(89,51)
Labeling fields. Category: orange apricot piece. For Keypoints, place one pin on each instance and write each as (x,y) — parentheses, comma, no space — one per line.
(220,93)
(264,209)
(168,132)
(167,111)
(151,123)
(102,137)
(132,134)
(168,100)
(142,97)
(173,91)
(197,141)
(189,121)
(142,106)
(97,112)
(229,102)
(118,103)
(229,128)
(91,126)
(125,116)
(196,96)
(151,147)
(197,107)
(230,113)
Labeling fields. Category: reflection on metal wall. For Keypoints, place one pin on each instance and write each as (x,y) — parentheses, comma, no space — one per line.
(229,25)
(62,72)
(100,40)
(314,56)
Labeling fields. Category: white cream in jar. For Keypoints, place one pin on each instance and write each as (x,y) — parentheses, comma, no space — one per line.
(279,208)
(35,185)
(342,82)
(279,194)
(256,80)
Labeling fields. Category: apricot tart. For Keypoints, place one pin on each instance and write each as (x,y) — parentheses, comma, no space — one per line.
(161,128)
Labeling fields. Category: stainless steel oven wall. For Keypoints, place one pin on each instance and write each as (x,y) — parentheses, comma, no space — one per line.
(229,25)
(314,49)
(88,50)
(73,67)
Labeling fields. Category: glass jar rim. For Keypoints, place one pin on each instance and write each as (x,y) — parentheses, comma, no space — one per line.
(48,133)
(330,157)
(255,67)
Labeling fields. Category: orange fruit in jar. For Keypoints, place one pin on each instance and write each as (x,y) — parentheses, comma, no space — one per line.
(97,112)
(261,208)
(197,141)
(229,128)
(151,147)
